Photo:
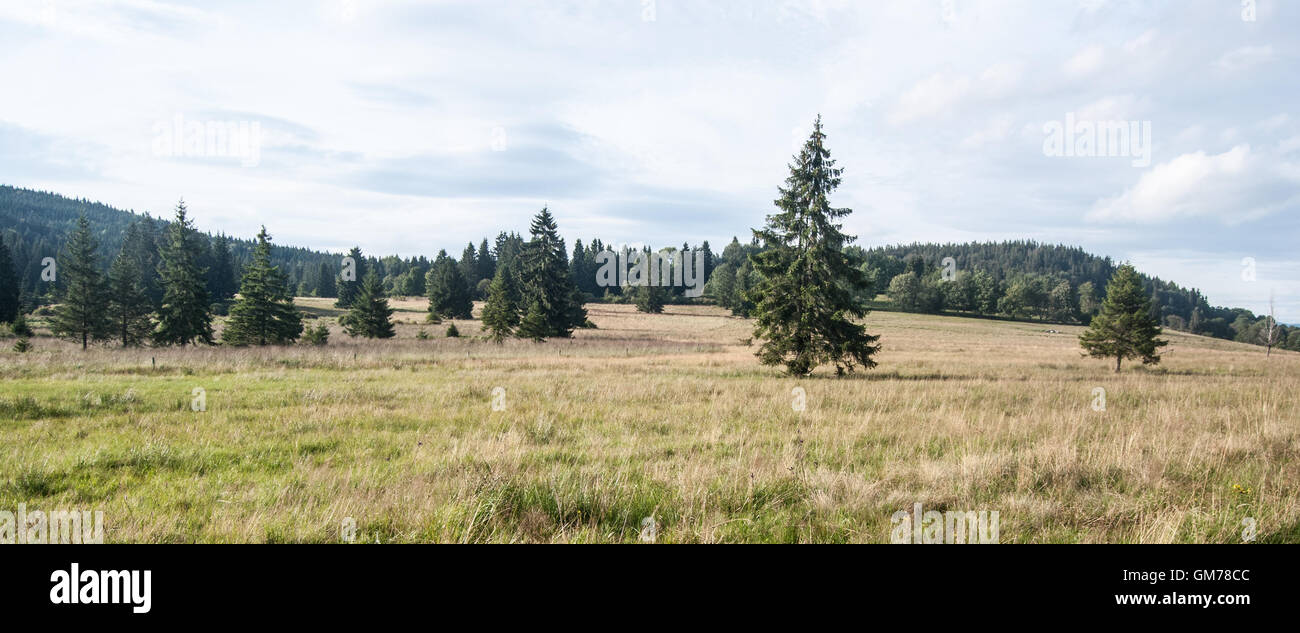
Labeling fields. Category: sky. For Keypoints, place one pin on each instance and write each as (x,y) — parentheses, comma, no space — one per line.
(1162,133)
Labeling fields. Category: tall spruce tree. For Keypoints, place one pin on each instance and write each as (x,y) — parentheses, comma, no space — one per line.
(264,314)
(83,313)
(805,301)
(447,290)
(185,317)
(129,307)
(544,274)
(1124,328)
(350,287)
(501,312)
(369,315)
(9,286)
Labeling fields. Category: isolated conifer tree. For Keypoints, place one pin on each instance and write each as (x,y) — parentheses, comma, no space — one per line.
(185,316)
(1124,328)
(501,312)
(264,314)
(370,315)
(83,313)
(9,288)
(129,308)
(348,289)
(447,290)
(805,302)
(545,279)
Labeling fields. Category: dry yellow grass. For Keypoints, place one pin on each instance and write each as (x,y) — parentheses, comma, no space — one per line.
(665,415)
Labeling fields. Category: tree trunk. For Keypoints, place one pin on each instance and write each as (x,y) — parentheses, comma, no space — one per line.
(1117,362)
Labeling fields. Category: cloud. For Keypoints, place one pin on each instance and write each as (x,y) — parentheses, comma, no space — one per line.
(1245,57)
(1086,61)
(1234,187)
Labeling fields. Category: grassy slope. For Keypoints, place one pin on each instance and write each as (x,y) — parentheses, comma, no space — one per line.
(667,415)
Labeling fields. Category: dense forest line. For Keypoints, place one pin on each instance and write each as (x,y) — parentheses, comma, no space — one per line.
(1018,280)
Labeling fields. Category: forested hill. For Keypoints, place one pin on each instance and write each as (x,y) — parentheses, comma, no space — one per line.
(34,225)
(1027,274)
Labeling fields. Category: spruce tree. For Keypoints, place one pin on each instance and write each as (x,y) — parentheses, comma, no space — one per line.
(264,314)
(545,279)
(533,324)
(348,289)
(487,266)
(325,282)
(369,315)
(185,316)
(650,299)
(805,301)
(129,308)
(141,245)
(501,312)
(447,291)
(221,277)
(9,287)
(1124,328)
(83,313)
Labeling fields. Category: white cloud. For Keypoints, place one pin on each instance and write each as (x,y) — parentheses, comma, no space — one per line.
(1234,187)
(1086,61)
(930,97)
(1245,57)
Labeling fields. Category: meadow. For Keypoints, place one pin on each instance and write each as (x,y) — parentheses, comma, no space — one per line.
(667,416)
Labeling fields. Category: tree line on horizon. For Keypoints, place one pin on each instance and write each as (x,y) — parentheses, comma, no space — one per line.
(1020,280)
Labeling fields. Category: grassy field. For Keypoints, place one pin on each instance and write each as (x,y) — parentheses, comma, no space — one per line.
(667,416)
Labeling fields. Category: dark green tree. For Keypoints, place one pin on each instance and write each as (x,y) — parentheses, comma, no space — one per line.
(351,275)
(533,324)
(129,308)
(264,314)
(9,286)
(185,316)
(325,286)
(221,276)
(1124,328)
(805,301)
(370,315)
(82,314)
(650,299)
(448,292)
(501,312)
(546,282)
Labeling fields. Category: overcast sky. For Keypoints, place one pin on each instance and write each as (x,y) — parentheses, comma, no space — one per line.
(406,127)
